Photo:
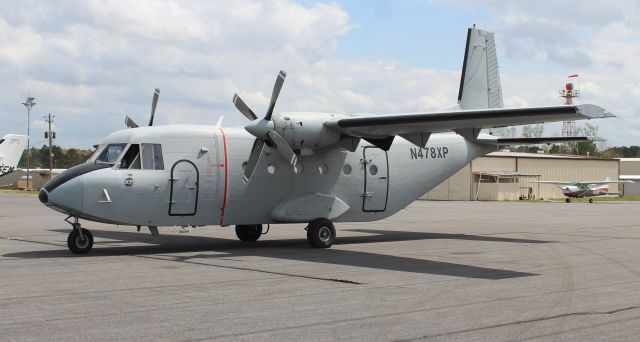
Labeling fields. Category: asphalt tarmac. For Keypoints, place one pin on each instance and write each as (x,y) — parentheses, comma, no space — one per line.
(480,271)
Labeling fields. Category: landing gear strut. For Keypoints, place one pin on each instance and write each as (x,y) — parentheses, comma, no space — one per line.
(321,233)
(80,240)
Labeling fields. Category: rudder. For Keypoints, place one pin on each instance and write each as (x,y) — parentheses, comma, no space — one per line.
(480,80)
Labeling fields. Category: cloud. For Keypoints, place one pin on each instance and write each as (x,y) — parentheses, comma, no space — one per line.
(91,63)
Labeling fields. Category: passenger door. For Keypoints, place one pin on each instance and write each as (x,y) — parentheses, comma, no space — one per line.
(376,179)
(185,179)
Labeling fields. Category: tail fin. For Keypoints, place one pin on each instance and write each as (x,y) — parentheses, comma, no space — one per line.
(480,81)
(11,148)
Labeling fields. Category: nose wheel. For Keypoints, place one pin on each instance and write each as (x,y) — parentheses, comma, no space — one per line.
(80,240)
(321,233)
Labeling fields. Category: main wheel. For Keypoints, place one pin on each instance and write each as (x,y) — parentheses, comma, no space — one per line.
(249,232)
(80,244)
(321,233)
(590,200)
(568,200)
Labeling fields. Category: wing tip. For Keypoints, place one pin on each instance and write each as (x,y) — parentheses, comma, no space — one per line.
(594,111)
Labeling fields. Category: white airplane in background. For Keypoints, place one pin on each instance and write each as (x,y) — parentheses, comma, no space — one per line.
(298,167)
(584,189)
(11,148)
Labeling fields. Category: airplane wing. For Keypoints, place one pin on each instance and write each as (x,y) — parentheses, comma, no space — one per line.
(585,182)
(385,125)
(553,182)
(604,182)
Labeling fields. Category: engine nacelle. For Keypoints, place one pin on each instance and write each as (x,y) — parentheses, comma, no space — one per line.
(306,131)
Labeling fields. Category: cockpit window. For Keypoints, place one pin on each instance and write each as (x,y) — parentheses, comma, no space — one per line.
(1,141)
(110,154)
(131,159)
(152,157)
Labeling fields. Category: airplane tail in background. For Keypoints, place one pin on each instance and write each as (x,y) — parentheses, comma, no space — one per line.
(480,81)
(11,148)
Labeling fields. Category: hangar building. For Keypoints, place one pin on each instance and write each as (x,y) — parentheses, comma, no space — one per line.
(630,170)
(506,176)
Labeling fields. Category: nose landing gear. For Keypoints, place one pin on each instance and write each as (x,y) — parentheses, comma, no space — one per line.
(80,240)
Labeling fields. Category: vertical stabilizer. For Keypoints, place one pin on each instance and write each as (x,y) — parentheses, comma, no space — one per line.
(11,148)
(480,81)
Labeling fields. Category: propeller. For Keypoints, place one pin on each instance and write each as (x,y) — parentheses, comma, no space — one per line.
(156,95)
(132,124)
(264,130)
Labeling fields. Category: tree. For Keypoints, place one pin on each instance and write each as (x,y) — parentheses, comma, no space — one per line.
(62,158)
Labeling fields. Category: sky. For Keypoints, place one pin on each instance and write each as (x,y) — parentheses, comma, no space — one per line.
(90,63)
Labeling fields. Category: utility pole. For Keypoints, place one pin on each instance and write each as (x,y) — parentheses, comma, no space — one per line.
(29,104)
(50,135)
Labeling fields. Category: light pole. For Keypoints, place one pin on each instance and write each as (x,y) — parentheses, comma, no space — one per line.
(29,104)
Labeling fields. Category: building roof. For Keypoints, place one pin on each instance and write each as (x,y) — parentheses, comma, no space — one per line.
(542,156)
(505,174)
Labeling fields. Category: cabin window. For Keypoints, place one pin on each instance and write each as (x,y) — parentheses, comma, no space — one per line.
(322,169)
(131,159)
(346,169)
(152,157)
(110,153)
(272,168)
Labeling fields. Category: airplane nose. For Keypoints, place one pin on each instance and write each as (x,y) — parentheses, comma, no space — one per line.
(43,196)
(68,196)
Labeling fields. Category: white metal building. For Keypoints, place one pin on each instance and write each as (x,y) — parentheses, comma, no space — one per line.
(630,170)
(507,176)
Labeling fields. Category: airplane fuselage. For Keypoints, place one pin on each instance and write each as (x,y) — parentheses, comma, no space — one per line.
(201,182)
(576,191)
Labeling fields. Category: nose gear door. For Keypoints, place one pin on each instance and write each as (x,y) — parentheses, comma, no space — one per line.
(185,179)
(376,179)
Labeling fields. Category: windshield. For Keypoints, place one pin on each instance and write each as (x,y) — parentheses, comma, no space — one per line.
(110,154)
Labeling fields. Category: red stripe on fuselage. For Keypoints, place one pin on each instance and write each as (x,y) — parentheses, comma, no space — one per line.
(226,168)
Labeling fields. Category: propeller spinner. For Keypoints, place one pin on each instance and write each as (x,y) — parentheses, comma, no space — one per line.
(264,130)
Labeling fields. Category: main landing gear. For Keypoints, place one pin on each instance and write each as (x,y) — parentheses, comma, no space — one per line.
(320,233)
(80,240)
(249,232)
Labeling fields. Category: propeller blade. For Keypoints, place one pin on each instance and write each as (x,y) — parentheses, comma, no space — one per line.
(276,92)
(254,156)
(156,94)
(243,108)
(130,123)
(283,147)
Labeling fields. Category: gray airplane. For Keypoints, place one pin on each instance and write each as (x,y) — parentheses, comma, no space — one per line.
(315,168)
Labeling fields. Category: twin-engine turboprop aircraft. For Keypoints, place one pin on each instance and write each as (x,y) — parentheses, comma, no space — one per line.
(315,168)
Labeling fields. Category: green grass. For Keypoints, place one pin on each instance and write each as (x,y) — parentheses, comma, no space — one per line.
(600,199)
(20,192)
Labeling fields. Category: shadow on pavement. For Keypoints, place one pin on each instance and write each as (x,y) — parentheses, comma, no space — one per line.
(291,249)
